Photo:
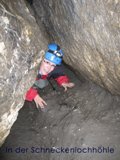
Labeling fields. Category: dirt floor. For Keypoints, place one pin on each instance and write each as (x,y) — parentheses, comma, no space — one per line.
(80,124)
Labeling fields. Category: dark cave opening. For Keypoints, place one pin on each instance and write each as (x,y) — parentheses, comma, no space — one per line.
(30,2)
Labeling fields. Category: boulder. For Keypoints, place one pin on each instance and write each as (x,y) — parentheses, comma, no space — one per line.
(89,33)
(21,46)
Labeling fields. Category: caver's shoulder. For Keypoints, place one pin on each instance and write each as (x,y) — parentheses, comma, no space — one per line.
(57,69)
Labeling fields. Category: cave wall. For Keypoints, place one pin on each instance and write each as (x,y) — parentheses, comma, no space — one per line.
(89,33)
(21,46)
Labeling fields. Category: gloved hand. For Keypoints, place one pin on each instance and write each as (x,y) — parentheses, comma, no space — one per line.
(39,102)
(67,85)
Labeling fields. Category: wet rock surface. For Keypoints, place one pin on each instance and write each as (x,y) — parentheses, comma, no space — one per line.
(85,116)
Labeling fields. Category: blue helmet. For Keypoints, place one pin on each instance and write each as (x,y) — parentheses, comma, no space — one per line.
(55,47)
(53,58)
(54,54)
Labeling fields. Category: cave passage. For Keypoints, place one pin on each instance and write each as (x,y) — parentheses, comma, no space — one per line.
(82,123)
(84,116)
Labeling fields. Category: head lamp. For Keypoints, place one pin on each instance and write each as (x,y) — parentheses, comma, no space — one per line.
(58,54)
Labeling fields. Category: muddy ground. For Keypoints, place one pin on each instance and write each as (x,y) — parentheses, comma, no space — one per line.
(82,124)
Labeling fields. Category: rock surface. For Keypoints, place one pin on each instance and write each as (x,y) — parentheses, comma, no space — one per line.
(84,116)
(89,32)
(21,44)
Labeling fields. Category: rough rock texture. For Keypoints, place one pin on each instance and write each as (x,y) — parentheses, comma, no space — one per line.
(85,116)
(20,44)
(89,32)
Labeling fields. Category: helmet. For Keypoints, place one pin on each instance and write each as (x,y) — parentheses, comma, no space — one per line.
(54,54)
(50,56)
(55,47)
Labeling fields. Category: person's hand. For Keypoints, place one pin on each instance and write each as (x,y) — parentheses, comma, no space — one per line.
(39,101)
(67,85)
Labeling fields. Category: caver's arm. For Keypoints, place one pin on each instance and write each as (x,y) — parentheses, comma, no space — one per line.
(31,94)
(62,79)
(33,91)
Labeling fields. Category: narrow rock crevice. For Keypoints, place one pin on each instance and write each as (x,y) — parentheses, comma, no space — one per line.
(84,116)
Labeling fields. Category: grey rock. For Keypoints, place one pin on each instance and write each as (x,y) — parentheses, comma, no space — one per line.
(21,47)
(89,33)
